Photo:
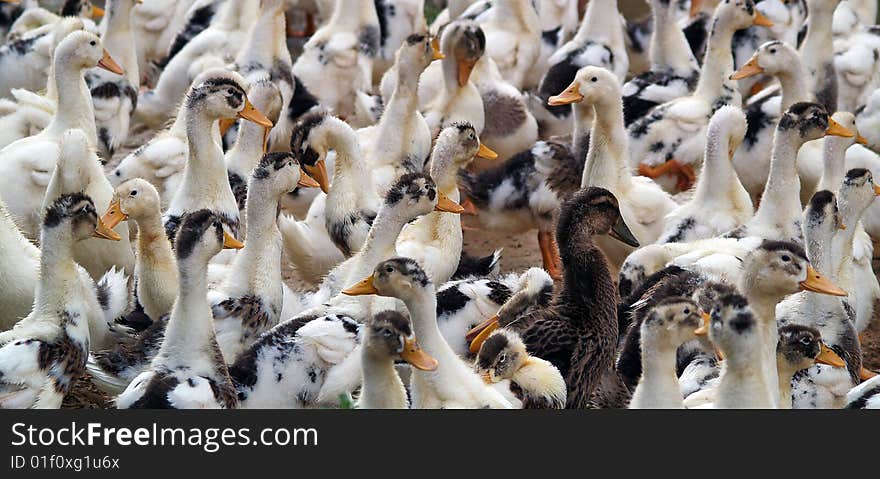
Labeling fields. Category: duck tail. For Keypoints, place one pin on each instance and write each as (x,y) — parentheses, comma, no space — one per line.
(471,266)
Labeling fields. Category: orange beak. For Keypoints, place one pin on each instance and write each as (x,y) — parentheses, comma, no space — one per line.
(250,112)
(229,242)
(105,232)
(414,355)
(836,129)
(446,205)
(817,283)
(435,49)
(480,333)
(114,215)
(465,67)
(829,357)
(363,287)
(319,173)
(108,63)
(572,94)
(486,152)
(761,20)
(750,69)
(306,181)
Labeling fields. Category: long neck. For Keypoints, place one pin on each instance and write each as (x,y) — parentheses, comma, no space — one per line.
(191,325)
(382,236)
(245,154)
(583,125)
(349,178)
(269,24)
(742,382)
(850,214)
(260,259)
(117,37)
(718,64)
(382,387)
(764,307)
(351,14)
(794,86)
(720,180)
(56,258)
(153,246)
(786,374)
(658,370)
(817,48)
(450,74)
(781,205)
(237,15)
(606,162)
(587,280)
(833,164)
(422,306)
(599,20)
(205,163)
(669,47)
(519,11)
(75,108)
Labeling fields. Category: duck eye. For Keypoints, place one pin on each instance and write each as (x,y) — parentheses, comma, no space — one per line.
(594,79)
(687,311)
(805,341)
(773,50)
(786,258)
(134,192)
(93,43)
(386,333)
(389,269)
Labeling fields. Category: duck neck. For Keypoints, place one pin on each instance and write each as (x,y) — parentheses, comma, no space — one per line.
(57,258)
(780,204)
(75,108)
(794,86)
(353,14)
(583,124)
(381,386)
(117,37)
(764,307)
(238,15)
(153,246)
(669,47)
(850,214)
(742,377)
(817,48)
(519,11)
(245,154)
(259,261)
(382,235)
(786,374)
(264,32)
(718,65)
(833,163)
(422,306)
(586,277)
(606,165)
(191,325)
(205,166)
(600,18)
(658,368)
(349,179)
(720,182)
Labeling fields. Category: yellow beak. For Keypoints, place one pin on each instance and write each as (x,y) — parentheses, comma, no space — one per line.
(229,242)
(435,48)
(105,232)
(114,215)
(97,12)
(817,283)
(572,94)
(306,181)
(465,67)
(750,69)
(446,205)
(876,189)
(861,140)
(250,112)
(363,287)
(704,329)
(761,20)
(486,152)
(319,173)
(414,355)
(836,129)
(485,329)
(829,357)
(866,374)
(108,63)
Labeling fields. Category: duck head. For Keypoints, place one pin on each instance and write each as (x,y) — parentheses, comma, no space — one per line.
(277,172)
(415,54)
(821,223)
(266,98)
(857,193)
(733,327)
(135,199)
(772,58)
(84,50)
(800,347)
(501,356)
(592,211)
(81,8)
(200,237)
(740,14)
(780,268)
(455,148)
(462,44)
(591,85)
(74,216)
(675,320)
(221,94)
(389,334)
(312,138)
(400,278)
(415,194)
(807,121)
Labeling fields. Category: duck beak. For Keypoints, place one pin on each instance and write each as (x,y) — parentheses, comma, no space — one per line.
(306,181)
(114,215)
(620,231)
(465,67)
(418,358)
(225,125)
(760,20)
(108,63)
(250,112)
(486,152)
(836,129)
(829,357)
(750,69)
(866,374)
(876,189)
(435,49)
(105,232)
(842,226)
(446,205)
(229,242)
(703,330)
(696,5)
(97,12)
(484,330)
(861,140)
(363,287)
(572,94)
(319,173)
(817,283)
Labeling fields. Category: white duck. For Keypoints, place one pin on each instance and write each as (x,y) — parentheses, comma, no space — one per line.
(513,39)
(155,24)
(453,384)
(19,271)
(189,371)
(817,51)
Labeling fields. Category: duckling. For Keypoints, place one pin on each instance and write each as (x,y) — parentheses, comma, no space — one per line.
(599,41)
(155,271)
(780,60)
(28,163)
(213,47)
(250,299)
(799,348)
(674,69)
(19,274)
(189,371)
(462,44)
(452,384)
(718,189)
(513,35)
(435,240)
(817,51)
(115,97)
(671,138)
(216,94)
(644,205)
(526,381)
(337,61)
(79,169)
(671,323)
(288,365)
(389,337)
(46,351)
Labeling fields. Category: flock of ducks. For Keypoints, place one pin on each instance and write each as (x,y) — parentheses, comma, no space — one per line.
(701,183)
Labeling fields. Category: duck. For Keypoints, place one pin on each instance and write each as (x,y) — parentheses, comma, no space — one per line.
(513,38)
(435,240)
(462,44)
(195,17)
(288,366)
(817,51)
(34,158)
(528,382)
(856,74)
(718,188)
(401,141)
(388,337)
(671,138)
(214,47)
(46,351)
(643,204)
(28,59)
(780,60)
(337,61)
(20,271)
(156,24)
(674,69)
(474,307)
(397,21)
(155,270)
(695,20)
(249,301)
(10,11)
(79,169)
(37,17)
(115,97)
(799,348)
(670,323)
(215,95)
(189,371)
(453,384)
(578,332)
(599,41)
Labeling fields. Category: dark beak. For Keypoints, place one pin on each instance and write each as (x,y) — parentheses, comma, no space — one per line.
(621,233)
